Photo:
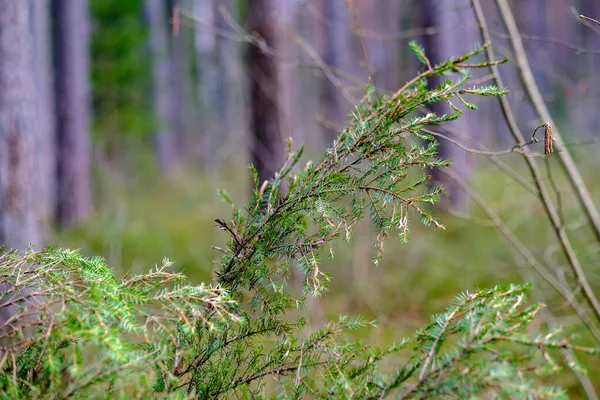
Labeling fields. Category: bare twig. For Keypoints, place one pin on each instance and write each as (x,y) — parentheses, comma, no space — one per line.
(533,167)
(577,49)
(535,96)
(500,164)
(590,19)
(515,149)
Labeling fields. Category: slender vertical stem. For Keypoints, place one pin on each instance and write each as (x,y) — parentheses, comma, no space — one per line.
(536,174)
(539,105)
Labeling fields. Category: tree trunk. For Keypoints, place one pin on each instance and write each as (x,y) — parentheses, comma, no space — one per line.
(591,81)
(267,145)
(71,58)
(451,39)
(234,90)
(333,45)
(532,17)
(179,74)
(42,69)
(19,212)
(287,71)
(340,55)
(212,88)
(164,137)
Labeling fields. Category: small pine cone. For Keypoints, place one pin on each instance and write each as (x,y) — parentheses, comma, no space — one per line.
(548,139)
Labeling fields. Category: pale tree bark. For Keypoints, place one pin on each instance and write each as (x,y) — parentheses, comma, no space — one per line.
(164,137)
(311,23)
(591,79)
(337,52)
(560,25)
(532,19)
(235,109)
(267,145)
(375,61)
(565,65)
(211,90)
(453,21)
(234,92)
(19,211)
(288,81)
(42,68)
(287,70)
(371,56)
(178,73)
(387,60)
(71,59)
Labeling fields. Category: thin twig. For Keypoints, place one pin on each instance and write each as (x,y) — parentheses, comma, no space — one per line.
(515,149)
(577,49)
(590,19)
(535,172)
(575,178)
(499,163)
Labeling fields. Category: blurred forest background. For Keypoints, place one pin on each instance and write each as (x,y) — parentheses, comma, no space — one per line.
(120,119)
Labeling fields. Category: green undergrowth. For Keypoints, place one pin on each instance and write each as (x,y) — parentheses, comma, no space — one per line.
(153,218)
(269,312)
(174,217)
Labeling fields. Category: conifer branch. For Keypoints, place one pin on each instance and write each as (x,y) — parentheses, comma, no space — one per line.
(153,334)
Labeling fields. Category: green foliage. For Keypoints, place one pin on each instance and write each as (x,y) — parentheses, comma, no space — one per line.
(419,51)
(462,353)
(119,71)
(78,331)
(93,335)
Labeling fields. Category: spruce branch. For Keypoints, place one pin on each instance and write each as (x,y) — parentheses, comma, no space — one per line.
(67,307)
(155,335)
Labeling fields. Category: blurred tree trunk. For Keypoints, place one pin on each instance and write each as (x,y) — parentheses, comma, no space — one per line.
(330,27)
(452,37)
(267,145)
(371,55)
(531,20)
(311,26)
(164,137)
(590,86)
(336,54)
(532,17)
(42,68)
(211,90)
(387,59)
(234,100)
(178,73)
(71,59)
(19,184)
(287,71)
